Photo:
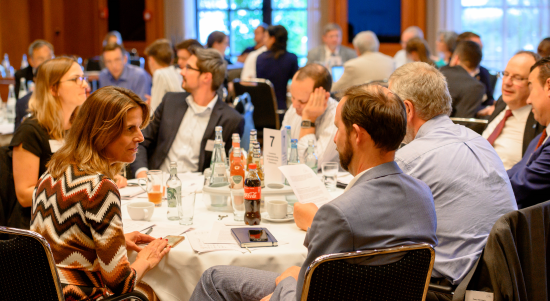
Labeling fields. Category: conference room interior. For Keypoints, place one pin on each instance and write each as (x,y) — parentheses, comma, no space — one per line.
(400,149)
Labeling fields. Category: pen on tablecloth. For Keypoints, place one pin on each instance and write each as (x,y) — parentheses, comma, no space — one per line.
(148,229)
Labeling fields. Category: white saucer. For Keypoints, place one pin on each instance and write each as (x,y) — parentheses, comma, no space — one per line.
(288,218)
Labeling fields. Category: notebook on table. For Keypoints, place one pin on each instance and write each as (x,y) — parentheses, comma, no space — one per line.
(252,237)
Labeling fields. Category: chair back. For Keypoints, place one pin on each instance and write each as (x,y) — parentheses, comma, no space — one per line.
(262,95)
(476,125)
(333,277)
(27,267)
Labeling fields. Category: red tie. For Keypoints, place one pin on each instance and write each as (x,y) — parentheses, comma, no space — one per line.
(499,127)
(541,140)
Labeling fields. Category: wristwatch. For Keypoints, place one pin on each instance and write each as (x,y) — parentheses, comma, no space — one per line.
(306,124)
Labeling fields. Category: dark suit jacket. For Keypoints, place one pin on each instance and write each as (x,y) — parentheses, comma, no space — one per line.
(530,177)
(466,91)
(161,132)
(532,127)
(485,79)
(23,73)
(21,107)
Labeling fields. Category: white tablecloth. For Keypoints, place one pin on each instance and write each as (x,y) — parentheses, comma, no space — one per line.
(179,272)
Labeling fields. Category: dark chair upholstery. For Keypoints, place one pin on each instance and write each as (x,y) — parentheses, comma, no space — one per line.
(93,64)
(476,125)
(28,271)
(12,214)
(262,95)
(334,277)
(137,61)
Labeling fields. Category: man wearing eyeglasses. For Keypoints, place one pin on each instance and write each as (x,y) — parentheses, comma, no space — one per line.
(512,125)
(182,127)
(312,114)
(119,73)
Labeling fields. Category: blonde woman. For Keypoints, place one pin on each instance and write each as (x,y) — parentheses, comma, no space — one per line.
(88,242)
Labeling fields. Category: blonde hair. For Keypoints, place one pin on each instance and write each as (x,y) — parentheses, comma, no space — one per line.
(101,120)
(45,107)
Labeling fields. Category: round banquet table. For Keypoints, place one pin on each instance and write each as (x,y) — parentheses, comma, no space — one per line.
(176,276)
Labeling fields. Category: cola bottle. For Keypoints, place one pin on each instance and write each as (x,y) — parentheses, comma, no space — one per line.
(252,196)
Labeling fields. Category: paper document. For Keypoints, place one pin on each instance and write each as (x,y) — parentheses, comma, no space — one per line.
(131,225)
(196,239)
(306,185)
(221,234)
(165,230)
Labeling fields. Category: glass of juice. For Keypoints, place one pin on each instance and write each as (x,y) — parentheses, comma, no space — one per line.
(154,186)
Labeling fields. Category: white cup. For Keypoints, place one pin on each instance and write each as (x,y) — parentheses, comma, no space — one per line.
(277,208)
(141,211)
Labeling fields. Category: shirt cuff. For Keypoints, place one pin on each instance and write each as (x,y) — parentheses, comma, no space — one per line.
(140,170)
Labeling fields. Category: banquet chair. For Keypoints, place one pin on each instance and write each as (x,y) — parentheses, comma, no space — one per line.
(28,271)
(339,277)
(476,125)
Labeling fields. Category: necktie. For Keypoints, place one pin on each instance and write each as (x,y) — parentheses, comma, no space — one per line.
(541,140)
(499,127)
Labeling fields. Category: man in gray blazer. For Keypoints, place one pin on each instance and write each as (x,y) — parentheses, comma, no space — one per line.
(182,127)
(370,65)
(381,207)
(331,52)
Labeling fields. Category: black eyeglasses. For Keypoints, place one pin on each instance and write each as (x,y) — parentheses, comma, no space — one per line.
(79,80)
(191,68)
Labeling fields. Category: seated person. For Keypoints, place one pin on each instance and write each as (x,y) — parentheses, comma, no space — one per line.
(469,183)
(530,177)
(445,46)
(277,64)
(184,121)
(119,73)
(370,65)
(512,125)
(39,52)
(544,47)
(368,215)
(60,89)
(166,78)
(88,243)
(182,51)
(259,34)
(418,51)
(410,32)
(113,37)
(466,91)
(331,52)
(311,116)
(219,41)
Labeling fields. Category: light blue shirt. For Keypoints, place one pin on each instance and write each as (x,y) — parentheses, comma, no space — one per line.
(133,78)
(470,187)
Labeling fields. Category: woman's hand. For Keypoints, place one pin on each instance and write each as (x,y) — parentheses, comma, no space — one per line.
(134,238)
(154,252)
(120,181)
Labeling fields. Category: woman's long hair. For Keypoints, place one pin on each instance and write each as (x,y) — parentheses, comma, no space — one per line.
(420,46)
(281,37)
(101,120)
(45,107)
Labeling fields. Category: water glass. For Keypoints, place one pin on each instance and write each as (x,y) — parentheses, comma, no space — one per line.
(186,208)
(330,172)
(237,201)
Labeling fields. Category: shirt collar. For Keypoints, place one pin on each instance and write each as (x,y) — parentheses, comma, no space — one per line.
(355,179)
(123,76)
(432,123)
(522,113)
(198,110)
(337,51)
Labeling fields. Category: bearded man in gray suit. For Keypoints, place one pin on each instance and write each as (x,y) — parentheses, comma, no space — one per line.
(381,207)
(331,52)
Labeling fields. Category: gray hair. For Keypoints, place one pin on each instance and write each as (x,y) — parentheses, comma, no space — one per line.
(331,27)
(39,44)
(418,33)
(425,87)
(449,38)
(366,41)
(211,61)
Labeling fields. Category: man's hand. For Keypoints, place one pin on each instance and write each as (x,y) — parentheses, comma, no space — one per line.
(316,105)
(267,298)
(486,112)
(121,181)
(293,272)
(148,99)
(304,214)
(134,238)
(142,174)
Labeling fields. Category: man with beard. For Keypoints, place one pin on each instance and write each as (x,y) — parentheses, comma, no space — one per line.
(184,122)
(353,220)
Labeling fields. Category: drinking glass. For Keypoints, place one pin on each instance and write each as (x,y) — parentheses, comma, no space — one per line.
(186,210)
(154,186)
(237,201)
(330,171)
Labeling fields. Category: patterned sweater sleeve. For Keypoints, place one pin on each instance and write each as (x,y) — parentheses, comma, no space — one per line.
(104,217)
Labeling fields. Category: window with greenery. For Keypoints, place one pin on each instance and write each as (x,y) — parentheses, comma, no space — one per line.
(505,27)
(239,18)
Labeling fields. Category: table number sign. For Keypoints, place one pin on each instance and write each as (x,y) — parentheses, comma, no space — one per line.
(275,155)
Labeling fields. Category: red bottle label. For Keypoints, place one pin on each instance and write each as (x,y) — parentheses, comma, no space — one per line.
(252,193)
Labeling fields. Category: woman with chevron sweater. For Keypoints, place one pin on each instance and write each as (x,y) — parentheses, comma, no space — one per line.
(76,204)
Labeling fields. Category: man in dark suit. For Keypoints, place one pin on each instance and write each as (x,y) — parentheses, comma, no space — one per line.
(512,125)
(39,51)
(182,128)
(530,177)
(466,91)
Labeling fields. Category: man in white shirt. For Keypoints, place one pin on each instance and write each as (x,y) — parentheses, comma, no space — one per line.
(331,52)
(182,128)
(512,125)
(400,57)
(166,78)
(311,116)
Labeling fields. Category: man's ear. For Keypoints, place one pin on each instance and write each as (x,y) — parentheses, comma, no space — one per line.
(409,107)
(547,87)
(207,76)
